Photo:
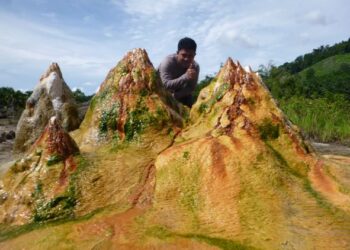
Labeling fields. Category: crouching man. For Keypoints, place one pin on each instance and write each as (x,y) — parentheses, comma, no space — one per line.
(179,72)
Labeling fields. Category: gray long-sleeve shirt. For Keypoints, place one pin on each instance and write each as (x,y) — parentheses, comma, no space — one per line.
(175,79)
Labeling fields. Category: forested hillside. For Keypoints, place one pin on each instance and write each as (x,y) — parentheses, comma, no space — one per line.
(314,91)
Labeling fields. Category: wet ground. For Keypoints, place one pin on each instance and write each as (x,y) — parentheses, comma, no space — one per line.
(331,149)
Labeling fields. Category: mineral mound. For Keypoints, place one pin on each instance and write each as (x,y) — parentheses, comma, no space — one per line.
(51,97)
(231,173)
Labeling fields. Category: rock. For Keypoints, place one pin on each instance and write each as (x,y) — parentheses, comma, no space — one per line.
(3,197)
(40,180)
(51,97)
(3,137)
(130,101)
(11,135)
(20,166)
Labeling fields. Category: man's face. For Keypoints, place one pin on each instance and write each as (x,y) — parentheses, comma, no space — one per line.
(185,57)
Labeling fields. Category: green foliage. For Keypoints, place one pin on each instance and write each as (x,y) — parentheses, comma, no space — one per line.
(109,119)
(314,91)
(330,76)
(201,85)
(53,159)
(10,97)
(322,119)
(136,122)
(140,118)
(80,97)
(57,208)
(218,94)
(302,62)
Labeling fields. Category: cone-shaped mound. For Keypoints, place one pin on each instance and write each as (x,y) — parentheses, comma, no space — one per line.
(241,171)
(235,174)
(130,102)
(129,121)
(51,97)
(39,186)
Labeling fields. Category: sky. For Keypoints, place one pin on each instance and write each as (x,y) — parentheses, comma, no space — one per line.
(88,37)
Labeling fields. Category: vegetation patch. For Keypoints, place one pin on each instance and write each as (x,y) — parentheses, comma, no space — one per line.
(54,159)
(205,107)
(268,131)
(162,233)
(137,121)
(186,155)
(108,120)
(314,91)
(140,118)
(322,119)
(59,207)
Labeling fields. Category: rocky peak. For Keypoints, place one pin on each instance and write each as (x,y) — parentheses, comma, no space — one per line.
(51,97)
(57,141)
(54,67)
(238,103)
(130,101)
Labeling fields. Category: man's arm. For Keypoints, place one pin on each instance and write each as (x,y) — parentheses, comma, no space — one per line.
(166,77)
(188,90)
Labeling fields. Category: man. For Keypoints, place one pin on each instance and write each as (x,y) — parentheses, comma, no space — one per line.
(179,72)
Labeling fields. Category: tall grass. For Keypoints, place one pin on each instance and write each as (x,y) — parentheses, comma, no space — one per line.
(321,119)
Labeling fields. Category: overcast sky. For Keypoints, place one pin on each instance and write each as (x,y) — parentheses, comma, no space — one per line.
(88,37)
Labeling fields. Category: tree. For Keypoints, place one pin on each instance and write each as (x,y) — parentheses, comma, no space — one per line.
(80,97)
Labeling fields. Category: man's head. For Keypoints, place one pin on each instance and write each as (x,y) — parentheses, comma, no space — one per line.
(186,51)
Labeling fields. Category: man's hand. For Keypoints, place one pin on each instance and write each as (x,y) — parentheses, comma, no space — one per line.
(191,72)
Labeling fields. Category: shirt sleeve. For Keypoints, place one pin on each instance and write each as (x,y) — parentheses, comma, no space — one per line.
(190,87)
(166,77)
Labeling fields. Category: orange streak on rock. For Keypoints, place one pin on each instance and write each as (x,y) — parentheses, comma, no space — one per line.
(321,180)
(218,153)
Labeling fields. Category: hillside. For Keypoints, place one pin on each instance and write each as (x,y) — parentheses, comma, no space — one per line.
(329,65)
(314,92)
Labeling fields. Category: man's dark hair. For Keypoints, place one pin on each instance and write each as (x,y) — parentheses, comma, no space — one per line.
(187,43)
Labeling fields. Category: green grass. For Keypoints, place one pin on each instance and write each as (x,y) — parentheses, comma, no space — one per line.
(321,119)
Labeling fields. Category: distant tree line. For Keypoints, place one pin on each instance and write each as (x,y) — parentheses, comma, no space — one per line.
(284,85)
(287,80)
(315,98)
(80,97)
(16,99)
(10,98)
(317,55)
